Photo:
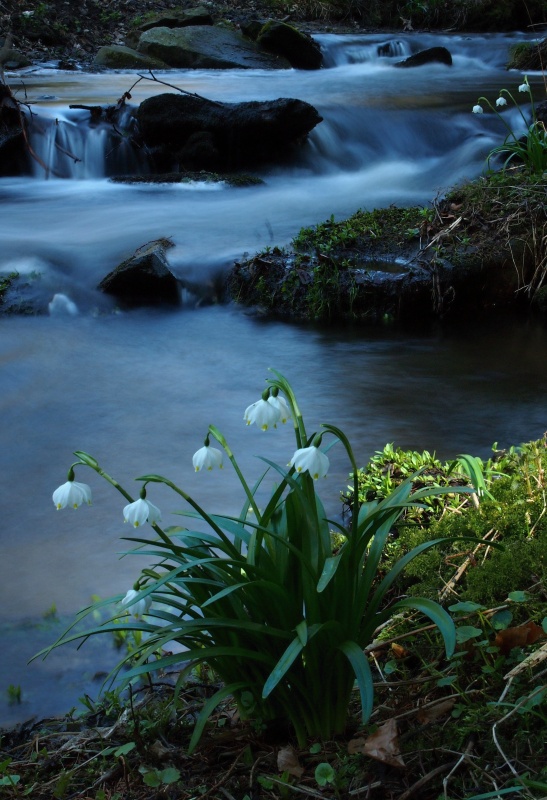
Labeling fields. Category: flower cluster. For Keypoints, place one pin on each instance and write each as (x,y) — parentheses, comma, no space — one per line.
(501,101)
(268,411)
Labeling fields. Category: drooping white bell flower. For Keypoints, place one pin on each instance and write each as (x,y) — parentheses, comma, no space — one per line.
(501,101)
(280,404)
(312,460)
(137,608)
(263,413)
(478,109)
(72,494)
(524,87)
(207,458)
(141,511)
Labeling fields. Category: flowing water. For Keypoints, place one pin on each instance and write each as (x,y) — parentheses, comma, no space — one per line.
(139,389)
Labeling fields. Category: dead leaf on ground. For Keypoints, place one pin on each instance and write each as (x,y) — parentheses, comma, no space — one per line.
(287,761)
(434,712)
(383,745)
(518,637)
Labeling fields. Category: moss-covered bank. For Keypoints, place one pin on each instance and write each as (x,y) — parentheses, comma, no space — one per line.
(483,247)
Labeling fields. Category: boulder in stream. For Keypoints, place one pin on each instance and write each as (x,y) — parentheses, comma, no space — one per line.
(14,154)
(144,279)
(185,131)
(117,56)
(300,50)
(207,47)
(438,55)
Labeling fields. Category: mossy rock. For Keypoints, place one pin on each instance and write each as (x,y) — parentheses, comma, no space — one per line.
(528,56)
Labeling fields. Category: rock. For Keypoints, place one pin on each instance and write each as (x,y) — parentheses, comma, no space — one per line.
(528,56)
(191,132)
(117,56)
(170,19)
(144,279)
(432,55)
(14,154)
(300,50)
(13,59)
(206,47)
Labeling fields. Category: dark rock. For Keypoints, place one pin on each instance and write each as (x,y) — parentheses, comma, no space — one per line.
(438,55)
(300,50)
(206,47)
(119,57)
(191,132)
(144,279)
(170,19)
(541,112)
(528,56)
(14,154)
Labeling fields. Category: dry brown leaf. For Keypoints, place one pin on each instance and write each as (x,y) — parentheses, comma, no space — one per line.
(383,745)
(518,637)
(398,651)
(434,712)
(287,761)
(356,746)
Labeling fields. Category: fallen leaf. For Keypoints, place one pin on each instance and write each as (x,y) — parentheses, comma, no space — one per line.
(287,761)
(383,745)
(434,712)
(399,651)
(518,637)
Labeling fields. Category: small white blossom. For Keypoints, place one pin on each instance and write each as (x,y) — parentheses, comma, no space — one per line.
(280,404)
(263,413)
(501,101)
(524,87)
(136,608)
(312,460)
(141,511)
(72,494)
(478,109)
(207,458)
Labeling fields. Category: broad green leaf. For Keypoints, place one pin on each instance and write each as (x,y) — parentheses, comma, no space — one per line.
(462,608)
(329,571)
(465,633)
(436,614)
(363,676)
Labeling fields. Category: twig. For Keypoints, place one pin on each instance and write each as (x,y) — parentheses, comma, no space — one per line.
(426,779)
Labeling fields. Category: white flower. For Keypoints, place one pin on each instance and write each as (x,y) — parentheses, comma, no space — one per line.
(311,459)
(478,109)
(524,87)
(141,511)
(207,458)
(501,101)
(139,607)
(72,494)
(280,404)
(263,413)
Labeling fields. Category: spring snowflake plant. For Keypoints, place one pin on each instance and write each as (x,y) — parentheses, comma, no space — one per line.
(528,148)
(281,618)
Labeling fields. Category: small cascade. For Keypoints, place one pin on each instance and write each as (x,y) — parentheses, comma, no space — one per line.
(68,143)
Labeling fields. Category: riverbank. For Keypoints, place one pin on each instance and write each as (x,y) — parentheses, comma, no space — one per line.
(454,723)
(55,31)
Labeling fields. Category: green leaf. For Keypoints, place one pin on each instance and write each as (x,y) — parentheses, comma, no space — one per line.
(518,597)
(152,778)
(315,748)
(462,608)
(208,709)
(436,614)
(283,665)
(170,775)
(363,675)
(324,774)
(467,632)
(329,571)
(502,619)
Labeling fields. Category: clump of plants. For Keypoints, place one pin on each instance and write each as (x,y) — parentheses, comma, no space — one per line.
(263,599)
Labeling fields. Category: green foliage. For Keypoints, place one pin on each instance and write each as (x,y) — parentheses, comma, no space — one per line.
(262,598)
(528,150)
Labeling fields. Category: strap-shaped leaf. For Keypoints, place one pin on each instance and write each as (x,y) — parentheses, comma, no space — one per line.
(363,676)
(329,571)
(436,614)
(208,709)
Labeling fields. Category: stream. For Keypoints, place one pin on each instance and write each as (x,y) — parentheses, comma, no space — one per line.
(138,389)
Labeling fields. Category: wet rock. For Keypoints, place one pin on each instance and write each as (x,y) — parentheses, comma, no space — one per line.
(170,19)
(439,55)
(300,50)
(119,57)
(206,47)
(144,279)
(14,154)
(191,132)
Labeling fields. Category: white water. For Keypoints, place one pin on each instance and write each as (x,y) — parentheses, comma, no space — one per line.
(139,390)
